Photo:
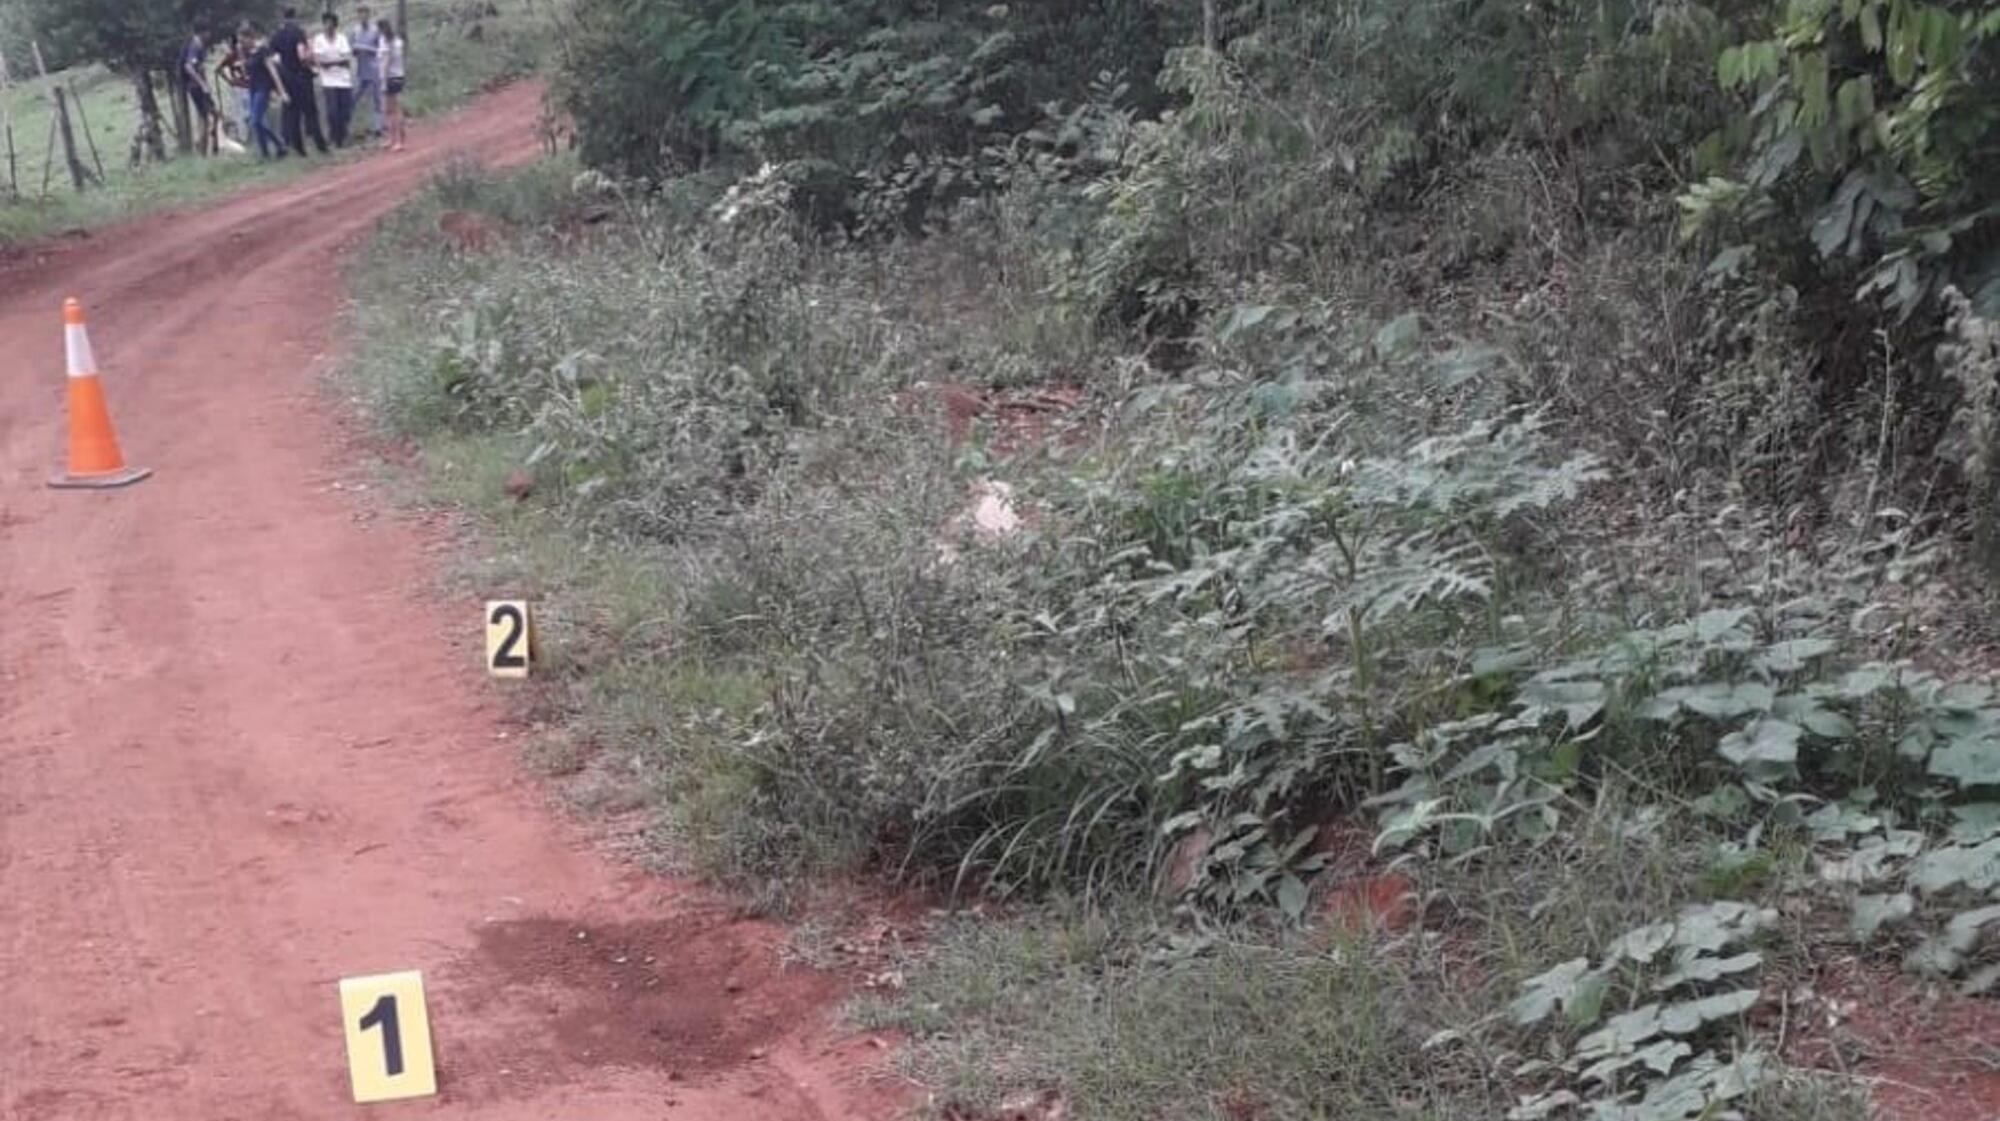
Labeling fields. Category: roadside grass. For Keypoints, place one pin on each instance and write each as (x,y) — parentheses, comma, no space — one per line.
(447,67)
(1134,1022)
(693,442)
(1134,1011)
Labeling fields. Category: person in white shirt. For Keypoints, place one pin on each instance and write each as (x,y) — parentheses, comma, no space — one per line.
(333,58)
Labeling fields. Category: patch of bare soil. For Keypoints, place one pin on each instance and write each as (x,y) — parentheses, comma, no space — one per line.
(1927,1053)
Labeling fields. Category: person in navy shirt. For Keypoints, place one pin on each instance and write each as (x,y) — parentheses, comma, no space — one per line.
(295,85)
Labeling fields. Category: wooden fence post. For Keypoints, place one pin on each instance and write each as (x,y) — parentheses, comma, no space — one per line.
(78,174)
(7,123)
(90,138)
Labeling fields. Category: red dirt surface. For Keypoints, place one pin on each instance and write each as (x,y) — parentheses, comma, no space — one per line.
(1928,1054)
(244,753)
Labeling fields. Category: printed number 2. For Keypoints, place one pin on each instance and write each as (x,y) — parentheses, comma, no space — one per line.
(383,1016)
(510,655)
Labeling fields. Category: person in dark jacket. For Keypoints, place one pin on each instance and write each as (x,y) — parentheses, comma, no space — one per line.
(289,50)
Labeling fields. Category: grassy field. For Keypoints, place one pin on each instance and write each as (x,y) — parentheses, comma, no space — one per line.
(446,66)
(109,105)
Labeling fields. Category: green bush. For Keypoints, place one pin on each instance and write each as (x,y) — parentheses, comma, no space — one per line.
(854,89)
(1869,130)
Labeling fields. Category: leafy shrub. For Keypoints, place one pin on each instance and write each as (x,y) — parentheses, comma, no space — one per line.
(1063,706)
(856,87)
(1874,122)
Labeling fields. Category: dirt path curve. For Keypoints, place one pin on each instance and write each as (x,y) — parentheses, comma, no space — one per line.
(242,752)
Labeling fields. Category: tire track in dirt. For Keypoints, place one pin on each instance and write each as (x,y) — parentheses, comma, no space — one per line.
(243,754)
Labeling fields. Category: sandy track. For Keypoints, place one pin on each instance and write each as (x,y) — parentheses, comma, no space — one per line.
(242,751)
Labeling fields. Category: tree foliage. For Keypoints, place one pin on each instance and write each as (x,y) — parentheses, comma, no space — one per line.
(1870,126)
(130,37)
(848,87)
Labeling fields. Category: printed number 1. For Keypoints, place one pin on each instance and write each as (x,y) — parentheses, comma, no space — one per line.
(509,656)
(383,1015)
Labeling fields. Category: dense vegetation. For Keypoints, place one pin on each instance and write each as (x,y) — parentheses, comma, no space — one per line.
(1547,449)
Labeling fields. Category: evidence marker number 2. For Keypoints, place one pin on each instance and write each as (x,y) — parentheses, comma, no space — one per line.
(510,638)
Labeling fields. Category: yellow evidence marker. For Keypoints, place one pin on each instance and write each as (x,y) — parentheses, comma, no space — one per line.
(388,1037)
(510,638)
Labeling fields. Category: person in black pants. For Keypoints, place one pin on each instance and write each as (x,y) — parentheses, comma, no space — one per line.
(288,44)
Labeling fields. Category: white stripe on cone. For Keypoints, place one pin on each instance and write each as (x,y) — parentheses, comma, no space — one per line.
(82,363)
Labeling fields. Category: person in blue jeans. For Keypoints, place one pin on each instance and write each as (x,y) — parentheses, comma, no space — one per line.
(261,68)
(366,39)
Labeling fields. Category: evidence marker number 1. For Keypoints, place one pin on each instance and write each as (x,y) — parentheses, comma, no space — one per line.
(510,638)
(388,1037)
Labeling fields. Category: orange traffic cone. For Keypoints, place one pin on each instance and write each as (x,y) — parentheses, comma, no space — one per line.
(94,459)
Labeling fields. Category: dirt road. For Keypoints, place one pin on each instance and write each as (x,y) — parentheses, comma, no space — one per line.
(244,750)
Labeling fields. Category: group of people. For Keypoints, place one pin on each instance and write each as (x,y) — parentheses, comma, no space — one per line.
(342,68)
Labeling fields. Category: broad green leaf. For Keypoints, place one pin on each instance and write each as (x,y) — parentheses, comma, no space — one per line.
(1501,756)
(1976,822)
(1708,927)
(1834,224)
(1399,336)
(1625,1032)
(1642,944)
(1968,762)
(1688,1015)
(1702,970)
(1661,1057)
(1725,802)
(1976,867)
(1766,742)
(1610,1067)
(1965,696)
(1721,701)
(1698,1092)
(1835,822)
(1586,1004)
(1809,74)
(1792,655)
(1541,994)
(1720,623)
(1944,953)
(1873,912)
(1729,67)
(1578,701)
(1622,1033)
(1855,102)
(1291,896)
(1865,681)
